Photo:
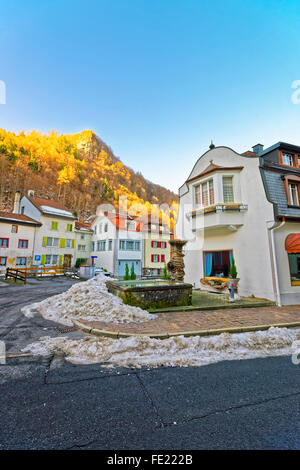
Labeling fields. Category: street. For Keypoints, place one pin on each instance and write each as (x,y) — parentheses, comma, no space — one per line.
(48,403)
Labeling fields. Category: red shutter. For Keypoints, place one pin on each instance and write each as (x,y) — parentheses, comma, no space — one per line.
(158,256)
(158,244)
(152,244)
(152,257)
(162,258)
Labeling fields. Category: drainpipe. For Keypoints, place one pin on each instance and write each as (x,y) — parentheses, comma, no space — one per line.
(276,226)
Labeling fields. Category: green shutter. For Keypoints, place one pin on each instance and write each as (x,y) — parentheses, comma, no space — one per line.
(44,241)
(61,260)
(69,227)
(43,258)
(62,242)
(73,243)
(54,225)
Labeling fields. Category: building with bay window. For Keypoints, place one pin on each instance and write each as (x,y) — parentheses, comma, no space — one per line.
(245,206)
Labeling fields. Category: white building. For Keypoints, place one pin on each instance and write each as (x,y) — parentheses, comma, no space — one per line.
(17,237)
(224,212)
(55,240)
(117,241)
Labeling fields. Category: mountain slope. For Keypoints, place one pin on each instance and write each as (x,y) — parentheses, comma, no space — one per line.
(80,170)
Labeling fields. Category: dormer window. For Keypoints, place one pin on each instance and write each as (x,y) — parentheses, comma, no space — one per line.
(287,159)
(293,192)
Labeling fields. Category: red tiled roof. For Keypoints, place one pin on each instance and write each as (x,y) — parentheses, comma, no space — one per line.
(213,167)
(20,217)
(249,153)
(84,226)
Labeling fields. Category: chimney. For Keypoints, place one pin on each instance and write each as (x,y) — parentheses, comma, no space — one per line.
(17,202)
(258,149)
(30,193)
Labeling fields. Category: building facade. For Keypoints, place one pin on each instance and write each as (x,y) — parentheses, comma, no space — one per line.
(83,242)
(156,248)
(117,241)
(17,237)
(55,240)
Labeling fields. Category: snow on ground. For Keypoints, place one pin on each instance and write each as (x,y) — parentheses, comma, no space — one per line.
(176,351)
(89,300)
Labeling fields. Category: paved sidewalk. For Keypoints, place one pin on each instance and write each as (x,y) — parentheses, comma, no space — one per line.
(191,322)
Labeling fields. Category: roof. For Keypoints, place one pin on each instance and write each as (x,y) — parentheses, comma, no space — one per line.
(213,167)
(49,206)
(83,227)
(291,147)
(18,218)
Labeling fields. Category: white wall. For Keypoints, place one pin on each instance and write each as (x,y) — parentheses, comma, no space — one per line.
(12,252)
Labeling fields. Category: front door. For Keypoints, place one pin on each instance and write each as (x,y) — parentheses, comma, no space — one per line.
(67,261)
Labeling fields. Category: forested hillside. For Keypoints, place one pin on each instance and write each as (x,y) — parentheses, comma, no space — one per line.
(80,170)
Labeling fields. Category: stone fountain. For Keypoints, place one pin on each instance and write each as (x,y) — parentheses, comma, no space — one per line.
(176,263)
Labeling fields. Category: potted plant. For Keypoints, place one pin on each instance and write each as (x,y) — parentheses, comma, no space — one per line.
(233,279)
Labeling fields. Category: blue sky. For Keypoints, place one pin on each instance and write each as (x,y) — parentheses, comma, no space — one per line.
(155,79)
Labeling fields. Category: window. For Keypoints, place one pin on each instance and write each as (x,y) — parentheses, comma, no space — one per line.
(54,259)
(204,193)
(14,229)
(3,260)
(4,242)
(293,192)
(155,258)
(68,242)
(101,245)
(105,227)
(228,189)
(122,245)
(95,229)
(54,225)
(129,245)
(137,246)
(69,227)
(217,263)
(21,261)
(287,159)
(294,261)
(81,247)
(81,237)
(52,241)
(23,244)
(93,246)
(48,259)
(154,244)
(109,245)
(130,225)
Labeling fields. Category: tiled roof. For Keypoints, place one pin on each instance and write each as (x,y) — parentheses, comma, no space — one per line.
(83,227)
(52,207)
(213,167)
(18,217)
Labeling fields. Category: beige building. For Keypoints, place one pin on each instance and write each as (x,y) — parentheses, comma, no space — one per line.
(55,240)
(156,248)
(17,237)
(83,242)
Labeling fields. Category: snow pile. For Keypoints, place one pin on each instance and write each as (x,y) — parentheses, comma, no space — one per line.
(89,300)
(139,352)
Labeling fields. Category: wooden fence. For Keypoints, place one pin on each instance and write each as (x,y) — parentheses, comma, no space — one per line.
(22,274)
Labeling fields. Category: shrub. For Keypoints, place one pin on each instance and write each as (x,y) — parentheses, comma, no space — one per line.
(233,270)
(132,273)
(79,262)
(126,277)
(165,275)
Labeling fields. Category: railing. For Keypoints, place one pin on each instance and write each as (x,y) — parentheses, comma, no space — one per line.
(36,271)
(222,207)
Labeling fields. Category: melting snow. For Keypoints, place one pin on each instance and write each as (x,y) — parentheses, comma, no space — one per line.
(89,300)
(176,351)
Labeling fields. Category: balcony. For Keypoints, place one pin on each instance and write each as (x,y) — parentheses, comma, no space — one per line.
(223,215)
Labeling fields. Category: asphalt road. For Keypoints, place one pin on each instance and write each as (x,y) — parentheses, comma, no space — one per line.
(48,403)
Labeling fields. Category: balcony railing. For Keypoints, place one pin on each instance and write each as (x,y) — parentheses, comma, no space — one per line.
(220,207)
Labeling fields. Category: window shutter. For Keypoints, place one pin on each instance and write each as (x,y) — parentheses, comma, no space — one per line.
(162,258)
(158,244)
(152,257)
(61,260)
(73,243)
(158,256)
(152,244)
(43,258)
(62,243)
(44,241)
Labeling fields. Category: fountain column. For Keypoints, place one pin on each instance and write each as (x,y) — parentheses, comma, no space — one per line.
(176,263)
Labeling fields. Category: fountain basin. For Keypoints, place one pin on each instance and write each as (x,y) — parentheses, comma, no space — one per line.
(152,294)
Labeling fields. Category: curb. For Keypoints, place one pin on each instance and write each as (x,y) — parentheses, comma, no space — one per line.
(242,329)
(230,306)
